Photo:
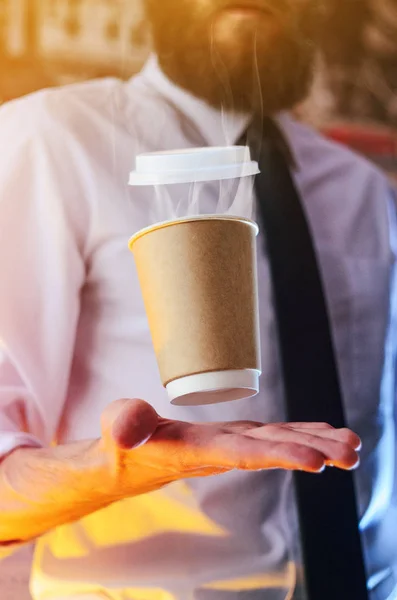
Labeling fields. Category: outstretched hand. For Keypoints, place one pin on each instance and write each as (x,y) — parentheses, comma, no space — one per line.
(145,452)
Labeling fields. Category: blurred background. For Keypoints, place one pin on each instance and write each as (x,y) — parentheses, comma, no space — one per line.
(50,42)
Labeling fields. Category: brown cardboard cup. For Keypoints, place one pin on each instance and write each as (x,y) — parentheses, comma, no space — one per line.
(198,278)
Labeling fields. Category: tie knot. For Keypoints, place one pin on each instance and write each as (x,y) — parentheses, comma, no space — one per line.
(266,136)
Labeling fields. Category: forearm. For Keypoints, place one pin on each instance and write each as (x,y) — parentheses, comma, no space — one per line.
(43,488)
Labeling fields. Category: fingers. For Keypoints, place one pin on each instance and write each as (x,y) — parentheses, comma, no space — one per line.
(129,423)
(248,453)
(342,435)
(291,456)
(327,431)
(337,447)
(248,446)
(307,425)
(322,429)
(213,447)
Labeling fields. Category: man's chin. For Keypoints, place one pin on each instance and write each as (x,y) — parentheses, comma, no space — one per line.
(240,72)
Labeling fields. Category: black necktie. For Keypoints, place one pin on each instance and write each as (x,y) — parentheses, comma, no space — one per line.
(331,544)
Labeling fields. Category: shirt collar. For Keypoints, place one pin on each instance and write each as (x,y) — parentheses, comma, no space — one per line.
(218,128)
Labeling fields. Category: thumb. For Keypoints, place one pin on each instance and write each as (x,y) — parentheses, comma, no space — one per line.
(128,424)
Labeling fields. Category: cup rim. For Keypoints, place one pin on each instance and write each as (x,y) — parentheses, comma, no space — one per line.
(189,219)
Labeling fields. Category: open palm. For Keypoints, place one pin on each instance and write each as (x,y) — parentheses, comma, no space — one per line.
(147,452)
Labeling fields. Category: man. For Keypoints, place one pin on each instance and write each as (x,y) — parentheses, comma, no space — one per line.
(75,336)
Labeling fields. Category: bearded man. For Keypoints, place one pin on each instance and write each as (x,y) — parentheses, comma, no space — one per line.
(123,503)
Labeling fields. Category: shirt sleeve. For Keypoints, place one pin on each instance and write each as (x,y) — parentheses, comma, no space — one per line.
(41,272)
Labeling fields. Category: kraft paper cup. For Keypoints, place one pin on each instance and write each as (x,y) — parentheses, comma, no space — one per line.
(198,278)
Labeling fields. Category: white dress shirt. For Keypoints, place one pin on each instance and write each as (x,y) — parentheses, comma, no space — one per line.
(74,336)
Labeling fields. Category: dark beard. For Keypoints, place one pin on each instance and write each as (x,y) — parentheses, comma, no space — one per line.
(260,79)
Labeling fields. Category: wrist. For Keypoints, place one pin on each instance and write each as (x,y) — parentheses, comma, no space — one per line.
(78,472)
(43,488)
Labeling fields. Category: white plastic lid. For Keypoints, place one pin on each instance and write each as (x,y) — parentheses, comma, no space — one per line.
(192,165)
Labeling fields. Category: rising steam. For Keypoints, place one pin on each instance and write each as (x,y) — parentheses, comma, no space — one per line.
(233,197)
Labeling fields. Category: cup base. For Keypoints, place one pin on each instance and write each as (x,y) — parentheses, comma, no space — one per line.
(214,388)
